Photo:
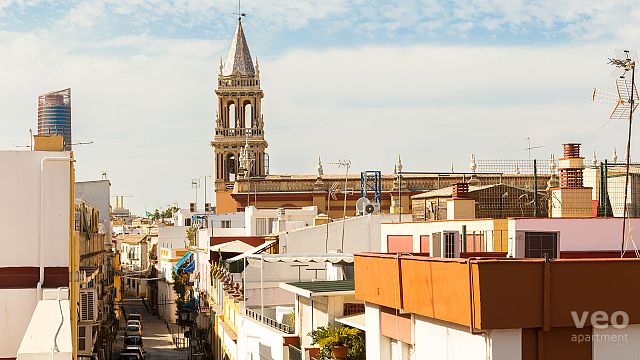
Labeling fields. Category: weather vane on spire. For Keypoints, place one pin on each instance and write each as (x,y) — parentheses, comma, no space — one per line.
(240,13)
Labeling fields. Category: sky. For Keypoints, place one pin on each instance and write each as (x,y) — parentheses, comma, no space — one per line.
(364,80)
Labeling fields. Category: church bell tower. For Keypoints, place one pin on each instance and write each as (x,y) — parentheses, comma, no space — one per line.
(238,143)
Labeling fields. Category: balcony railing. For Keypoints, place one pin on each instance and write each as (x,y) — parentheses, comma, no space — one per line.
(270,322)
(239,132)
(204,302)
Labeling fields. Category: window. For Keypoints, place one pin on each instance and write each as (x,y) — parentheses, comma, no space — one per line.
(82,336)
(264,226)
(539,244)
(225,224)
(449,244)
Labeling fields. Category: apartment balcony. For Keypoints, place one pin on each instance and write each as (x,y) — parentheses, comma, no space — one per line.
(269,322)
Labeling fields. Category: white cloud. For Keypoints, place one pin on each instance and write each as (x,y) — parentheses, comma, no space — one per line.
(148,102)
(84,15)
(576,19)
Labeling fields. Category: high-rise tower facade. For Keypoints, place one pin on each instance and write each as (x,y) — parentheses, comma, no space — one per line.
(238,143)
(54,115)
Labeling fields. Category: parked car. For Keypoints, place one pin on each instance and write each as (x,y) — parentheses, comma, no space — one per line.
(134,322)
(133,330)
(130,356)
(133,340)
(135,350)
(135,317)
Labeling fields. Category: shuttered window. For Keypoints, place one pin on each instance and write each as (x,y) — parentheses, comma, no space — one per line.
(87,309)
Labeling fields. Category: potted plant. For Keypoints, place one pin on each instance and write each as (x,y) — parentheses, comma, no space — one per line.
(336,341)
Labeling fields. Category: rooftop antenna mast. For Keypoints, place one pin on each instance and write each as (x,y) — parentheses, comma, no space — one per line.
(529,147)
(625,100)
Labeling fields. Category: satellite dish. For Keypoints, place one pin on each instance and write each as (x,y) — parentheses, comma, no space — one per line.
(361,204)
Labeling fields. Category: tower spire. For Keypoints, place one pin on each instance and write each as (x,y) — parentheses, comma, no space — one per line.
(239,58)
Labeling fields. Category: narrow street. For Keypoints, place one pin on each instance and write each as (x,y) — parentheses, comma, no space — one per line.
(155,335)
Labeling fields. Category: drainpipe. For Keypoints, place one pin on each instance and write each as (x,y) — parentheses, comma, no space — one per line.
(472,329)
(40,223)
(55,338)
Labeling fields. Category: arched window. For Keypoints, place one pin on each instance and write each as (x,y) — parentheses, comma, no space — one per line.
(231,167)
(248,115)
(231,117)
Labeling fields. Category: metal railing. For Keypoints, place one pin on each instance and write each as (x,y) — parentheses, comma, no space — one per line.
(270,322)
(295,353)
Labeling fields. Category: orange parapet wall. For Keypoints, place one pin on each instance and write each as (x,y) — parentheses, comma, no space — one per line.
(499,293)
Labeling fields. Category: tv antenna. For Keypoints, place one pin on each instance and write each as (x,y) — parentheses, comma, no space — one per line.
(83,143)
(625,100)
(529,147)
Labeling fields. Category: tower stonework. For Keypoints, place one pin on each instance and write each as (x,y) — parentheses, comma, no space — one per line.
(238,143)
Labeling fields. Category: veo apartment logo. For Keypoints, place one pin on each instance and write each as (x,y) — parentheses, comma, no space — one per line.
(600,320)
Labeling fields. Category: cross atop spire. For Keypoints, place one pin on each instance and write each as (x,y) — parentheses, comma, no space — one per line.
(239,60)
(240,13)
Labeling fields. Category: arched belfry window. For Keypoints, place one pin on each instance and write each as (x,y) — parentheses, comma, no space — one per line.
(231,118)
(248,115)
(231,167)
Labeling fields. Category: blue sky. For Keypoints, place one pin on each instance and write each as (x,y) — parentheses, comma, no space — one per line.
(339,77)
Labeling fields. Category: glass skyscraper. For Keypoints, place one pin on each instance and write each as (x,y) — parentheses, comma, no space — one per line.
(54,115)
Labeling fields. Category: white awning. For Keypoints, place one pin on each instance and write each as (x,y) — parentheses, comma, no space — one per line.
(235,246)
(357,321)
(335,258)
(251,251)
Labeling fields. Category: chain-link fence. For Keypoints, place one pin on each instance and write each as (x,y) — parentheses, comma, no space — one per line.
(532,188)
(608,183)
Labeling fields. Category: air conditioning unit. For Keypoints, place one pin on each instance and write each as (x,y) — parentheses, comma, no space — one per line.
(372,208)
(88,308)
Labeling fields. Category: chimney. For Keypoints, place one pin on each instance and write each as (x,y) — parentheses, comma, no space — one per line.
(571,199)
(571,166)
(460,191)
(460,206)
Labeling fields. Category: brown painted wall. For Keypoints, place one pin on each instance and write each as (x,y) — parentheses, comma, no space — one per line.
(505,290)
(507,293)
(604,284)
(27,277)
